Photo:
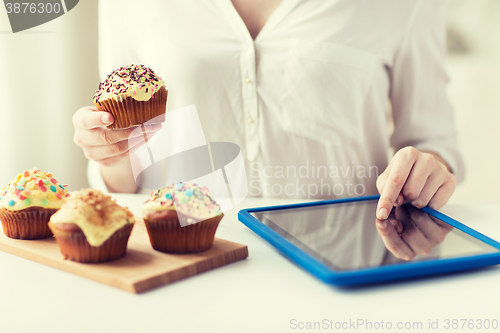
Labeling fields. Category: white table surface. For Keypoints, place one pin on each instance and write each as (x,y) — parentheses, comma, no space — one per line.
(263,293)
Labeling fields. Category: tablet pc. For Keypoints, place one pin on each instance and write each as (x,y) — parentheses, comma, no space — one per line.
(338,241)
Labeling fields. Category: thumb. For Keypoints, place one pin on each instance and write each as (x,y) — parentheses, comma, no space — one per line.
(87,118)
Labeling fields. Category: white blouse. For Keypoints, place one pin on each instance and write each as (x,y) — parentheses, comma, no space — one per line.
(307,101)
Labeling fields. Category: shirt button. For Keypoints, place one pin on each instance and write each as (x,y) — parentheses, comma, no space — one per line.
(250,120)
(247,80)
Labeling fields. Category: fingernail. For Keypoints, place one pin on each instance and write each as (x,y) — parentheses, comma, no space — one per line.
(382,224)
(382,213)
(398,202)
(106,119)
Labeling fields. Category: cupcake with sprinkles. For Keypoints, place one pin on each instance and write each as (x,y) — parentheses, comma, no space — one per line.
(182,218)
(133,94)
(28,202)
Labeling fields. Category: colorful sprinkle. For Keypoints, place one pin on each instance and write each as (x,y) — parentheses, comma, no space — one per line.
(125,79)
(43,188)
(27,201)
(53,188)
(20,188)
(40,182)
(186,197)
(11,202)
(45,202)
(26,173)
(52,197)
(53,181)
(22,181)
(61,186)
(58,196)
(46,181)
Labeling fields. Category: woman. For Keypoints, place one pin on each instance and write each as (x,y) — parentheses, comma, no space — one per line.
(299,86)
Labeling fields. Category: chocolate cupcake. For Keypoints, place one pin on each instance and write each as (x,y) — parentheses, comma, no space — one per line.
(28,202)
(91,227)
(133,94)
(182,218)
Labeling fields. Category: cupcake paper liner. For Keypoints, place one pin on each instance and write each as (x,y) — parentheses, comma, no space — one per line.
(74,246)
(29,223)
(129,112)
(167,235)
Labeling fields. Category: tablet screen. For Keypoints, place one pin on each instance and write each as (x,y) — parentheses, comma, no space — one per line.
(344,236)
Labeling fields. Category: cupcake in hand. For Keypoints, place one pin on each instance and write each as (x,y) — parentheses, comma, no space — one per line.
(28,202)
(133,94)
(91,227)
(182,218)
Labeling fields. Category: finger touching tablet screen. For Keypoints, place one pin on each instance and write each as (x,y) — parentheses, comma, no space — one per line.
(342,242)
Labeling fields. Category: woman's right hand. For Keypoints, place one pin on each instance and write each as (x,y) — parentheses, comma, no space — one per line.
(109,147)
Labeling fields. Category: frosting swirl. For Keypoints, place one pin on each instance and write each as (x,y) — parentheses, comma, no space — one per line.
(187,198)
(136,81)
(33,188)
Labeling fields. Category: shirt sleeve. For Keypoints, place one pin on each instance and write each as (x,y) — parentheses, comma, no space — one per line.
(114,52)
(95,178)
(422,114)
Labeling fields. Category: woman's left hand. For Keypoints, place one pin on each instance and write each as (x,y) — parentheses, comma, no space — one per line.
(421,178)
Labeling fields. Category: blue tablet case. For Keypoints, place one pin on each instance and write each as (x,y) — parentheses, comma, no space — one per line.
(374,274)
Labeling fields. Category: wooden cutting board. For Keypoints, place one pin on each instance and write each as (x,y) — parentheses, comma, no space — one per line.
(142,268)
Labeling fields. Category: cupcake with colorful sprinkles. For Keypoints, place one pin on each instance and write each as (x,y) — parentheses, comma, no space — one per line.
(181,218)
(92,227)
(133,94)
(28,202)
